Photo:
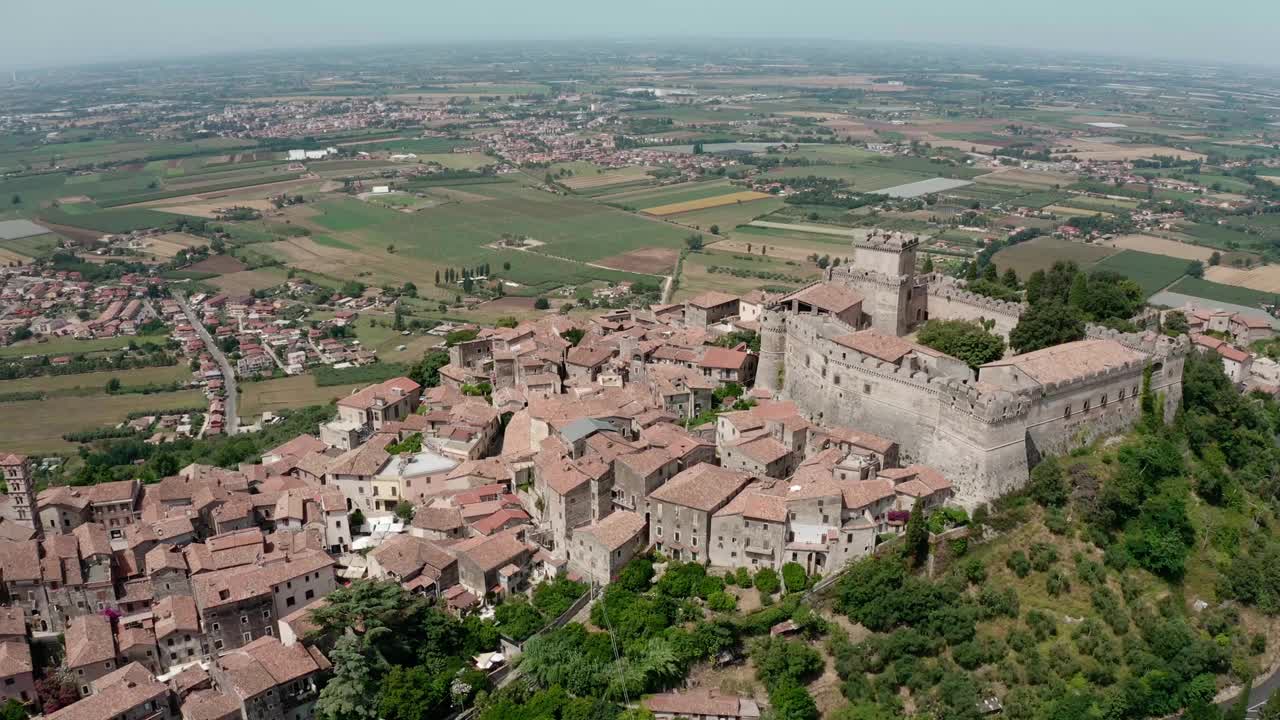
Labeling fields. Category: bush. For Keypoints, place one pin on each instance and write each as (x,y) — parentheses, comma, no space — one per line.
(1048,484)
(1018,563)
(721,601)
(767,581)
(744,578)
(541,304)
(1057,583)
(1043,556)
(974,571)
(794,577)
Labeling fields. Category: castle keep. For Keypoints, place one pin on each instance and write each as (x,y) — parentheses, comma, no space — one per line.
(984,432)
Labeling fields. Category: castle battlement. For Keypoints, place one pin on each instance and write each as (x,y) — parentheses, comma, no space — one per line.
(856,275)
(1150,343)
(953,289)
(889,241)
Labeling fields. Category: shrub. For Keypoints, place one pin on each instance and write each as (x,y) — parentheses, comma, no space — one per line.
(767,581)
(721,601)
(1018,563)
(974,571)
(744,578)
(794,577)
(1043,556)
(1057,583)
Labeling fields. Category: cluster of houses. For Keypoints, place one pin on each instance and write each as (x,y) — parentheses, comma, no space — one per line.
(1229,334)
(58,303)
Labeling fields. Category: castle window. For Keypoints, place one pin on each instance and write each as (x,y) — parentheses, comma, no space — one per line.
(1104,400)
(836,378)
(1086,406)
(866,388)
(1122,393)
(1067,413)
(1135,391)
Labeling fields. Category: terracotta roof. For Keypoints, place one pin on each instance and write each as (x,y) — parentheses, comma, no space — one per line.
(757,503)
(711,299)
(702,487)
(1069,361)
(860,494)
(210,705)
(646,462)
(827,296)
(491,553)
(764,449)
(499,520)
(589,356)
(366,459)
(117,693)
(13,621)
(113,492)
(175,614)
(440,519)
(389,391)
(20,561)
(12,460)
(89,641)
(236,584)
(616,529)
(93,540)
(869,342)
(406,555)
(63,495)
(15,658)
(299,446)
(703,702)
(266,663)
(723,358)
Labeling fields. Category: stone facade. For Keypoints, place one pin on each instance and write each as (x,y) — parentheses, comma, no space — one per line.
(984,436)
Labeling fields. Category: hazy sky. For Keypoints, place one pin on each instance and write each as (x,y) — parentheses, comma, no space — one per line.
(61,32)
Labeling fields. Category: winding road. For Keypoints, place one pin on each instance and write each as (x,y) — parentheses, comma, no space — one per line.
(228,372)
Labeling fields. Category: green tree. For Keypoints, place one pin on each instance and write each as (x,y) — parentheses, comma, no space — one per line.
(1010,278)
(927,267)
(1175,323)
(113,386)
(962,339)
(1046,324)
(1048,483)
(14,710)
(1240,708)
(793,703)
(767,581)
(427,370)
(349,693)
(412,693)
(916,539)
(541,304)
(1195,269)
(1271,711)
(404,510)
(694,242)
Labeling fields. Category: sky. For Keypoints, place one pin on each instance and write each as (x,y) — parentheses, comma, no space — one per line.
(67,32)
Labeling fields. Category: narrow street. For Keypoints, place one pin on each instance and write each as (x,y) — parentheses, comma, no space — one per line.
(228,372)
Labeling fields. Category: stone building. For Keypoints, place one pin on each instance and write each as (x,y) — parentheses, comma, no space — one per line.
(602,549)
(270,680)
(983,433)
(16,470)
(680,511)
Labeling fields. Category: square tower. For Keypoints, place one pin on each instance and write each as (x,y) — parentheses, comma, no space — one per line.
(22,492)
(888,253)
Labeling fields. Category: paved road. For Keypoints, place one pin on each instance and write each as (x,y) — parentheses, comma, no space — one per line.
(228,372)
(1257,696)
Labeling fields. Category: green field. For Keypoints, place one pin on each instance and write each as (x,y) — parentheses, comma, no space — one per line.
(1200,287)
(1221,237)
(681,193)
(37,426)
(93,383)
(283,393)
(865,178)
(111,221)
(34,246)
(1152,272)
(417,146)
(71,346)
(1042,252)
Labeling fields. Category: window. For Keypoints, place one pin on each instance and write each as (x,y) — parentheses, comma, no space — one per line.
(289,601)
(1086,405)
(266,614)
(248,637)
(1122,393)
(217,644)
(1066,414)
(677,536)
(309,594)
(215,627)
(244,619)
(1104,400)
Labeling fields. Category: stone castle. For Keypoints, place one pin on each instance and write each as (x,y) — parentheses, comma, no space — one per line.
(851,363)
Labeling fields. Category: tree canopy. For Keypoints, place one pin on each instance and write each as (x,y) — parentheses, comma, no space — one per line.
(962,339)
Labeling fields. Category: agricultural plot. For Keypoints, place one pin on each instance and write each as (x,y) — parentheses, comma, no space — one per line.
(727,217)
(246,281)
(650,261)
(285,393)
(37,426)
(1161,246)
(733,198)
(1265,278)
(731,273)
(1042,252)
(95,382)
(604,179)
(1030,179)
(667,194)
(111,221)
(417,146)
(1210,290)
(72,346)
(1152,272)
(864,178)
(36,246)
(168,245)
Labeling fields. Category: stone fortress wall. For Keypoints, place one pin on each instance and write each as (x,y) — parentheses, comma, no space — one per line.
(983,437)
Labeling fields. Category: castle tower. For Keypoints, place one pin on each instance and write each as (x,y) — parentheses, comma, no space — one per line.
(884,271)
(21,488)
(773,346)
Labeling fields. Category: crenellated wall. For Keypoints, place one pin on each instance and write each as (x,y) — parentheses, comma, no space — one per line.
(949,299)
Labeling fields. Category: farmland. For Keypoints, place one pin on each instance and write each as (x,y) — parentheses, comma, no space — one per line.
(1152,272)
(1223,293)
(1042,252)
(93,383)
(735,198)
(283,393)
(37,426)
(72,346)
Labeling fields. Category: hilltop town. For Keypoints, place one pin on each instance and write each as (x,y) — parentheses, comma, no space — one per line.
(721,384)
